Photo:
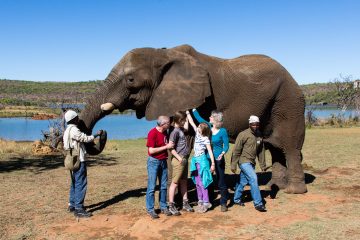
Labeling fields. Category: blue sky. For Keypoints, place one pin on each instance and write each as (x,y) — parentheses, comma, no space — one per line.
(78,40)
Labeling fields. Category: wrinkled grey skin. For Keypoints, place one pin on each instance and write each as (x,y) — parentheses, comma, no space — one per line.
(162,81)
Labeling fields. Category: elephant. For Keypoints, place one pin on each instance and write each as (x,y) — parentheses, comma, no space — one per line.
(156,82)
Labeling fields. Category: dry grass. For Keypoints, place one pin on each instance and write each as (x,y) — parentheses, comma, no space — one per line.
(16,148)
(34,192)
(26,111)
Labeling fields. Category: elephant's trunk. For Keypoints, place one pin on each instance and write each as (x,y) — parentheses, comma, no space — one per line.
(97,107)
(91,114)
(107,97)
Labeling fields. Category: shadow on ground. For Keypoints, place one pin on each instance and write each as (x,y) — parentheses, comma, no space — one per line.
(121,196)
(231,180)
(39,164)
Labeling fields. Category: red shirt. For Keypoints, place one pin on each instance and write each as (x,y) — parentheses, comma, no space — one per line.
(157,139)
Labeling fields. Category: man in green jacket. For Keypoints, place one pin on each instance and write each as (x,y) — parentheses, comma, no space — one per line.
(248,146)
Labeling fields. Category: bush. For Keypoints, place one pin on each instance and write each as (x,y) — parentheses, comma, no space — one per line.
(336,120)
(310,118)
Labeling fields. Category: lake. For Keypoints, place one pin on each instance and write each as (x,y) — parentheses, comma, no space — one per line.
(118,126)
(326,112)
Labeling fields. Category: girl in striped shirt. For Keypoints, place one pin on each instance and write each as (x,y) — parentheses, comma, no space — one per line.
(200,167)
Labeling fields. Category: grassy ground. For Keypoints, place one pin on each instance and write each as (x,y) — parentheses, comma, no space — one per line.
(34,192)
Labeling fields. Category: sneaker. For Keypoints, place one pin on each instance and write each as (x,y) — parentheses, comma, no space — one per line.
(71,209)
(224,208)
(153,215)
(173,209)
(207,205)
(201,209)
(260,208)
(239,203)
(81,213)
(187,207)
(166,212)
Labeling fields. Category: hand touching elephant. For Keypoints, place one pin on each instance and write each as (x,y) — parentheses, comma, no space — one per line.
(162,81)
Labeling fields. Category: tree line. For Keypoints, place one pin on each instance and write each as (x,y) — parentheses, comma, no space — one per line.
(340,92)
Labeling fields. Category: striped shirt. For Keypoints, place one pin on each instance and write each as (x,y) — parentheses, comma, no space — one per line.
(200,144)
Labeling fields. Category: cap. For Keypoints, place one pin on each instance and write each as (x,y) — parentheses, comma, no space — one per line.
(70,115)
(253,119)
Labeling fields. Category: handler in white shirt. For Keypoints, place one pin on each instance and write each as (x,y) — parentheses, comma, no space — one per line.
(74,138)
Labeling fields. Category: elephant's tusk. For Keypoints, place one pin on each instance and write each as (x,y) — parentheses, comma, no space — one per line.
(107,107)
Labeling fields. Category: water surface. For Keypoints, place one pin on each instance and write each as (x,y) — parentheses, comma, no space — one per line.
(117,126)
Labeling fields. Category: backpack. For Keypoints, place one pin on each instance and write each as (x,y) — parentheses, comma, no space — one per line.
(72,157)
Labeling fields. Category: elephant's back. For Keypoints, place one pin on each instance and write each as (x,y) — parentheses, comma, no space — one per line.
(264,81)
(262,70)
(255,66)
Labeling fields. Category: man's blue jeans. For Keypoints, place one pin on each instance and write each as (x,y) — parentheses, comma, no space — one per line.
(156,169)
(78,187)
(248,176)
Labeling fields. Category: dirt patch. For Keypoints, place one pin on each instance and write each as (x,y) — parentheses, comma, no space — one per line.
(350,191)
(44,116)
(313,197)
(289,219)
(335,171)
(238,222)
(100,226)
(39,148)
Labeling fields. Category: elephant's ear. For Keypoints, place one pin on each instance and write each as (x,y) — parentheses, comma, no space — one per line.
(184,85)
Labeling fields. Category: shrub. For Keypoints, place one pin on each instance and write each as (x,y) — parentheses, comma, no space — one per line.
(310,118)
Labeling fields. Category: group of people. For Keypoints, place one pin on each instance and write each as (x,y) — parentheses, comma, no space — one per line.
(207,164)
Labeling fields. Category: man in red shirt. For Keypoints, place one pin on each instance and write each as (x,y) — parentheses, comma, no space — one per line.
(158,144)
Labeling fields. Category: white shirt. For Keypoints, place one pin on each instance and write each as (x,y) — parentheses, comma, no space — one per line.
(200,144)
(76,136)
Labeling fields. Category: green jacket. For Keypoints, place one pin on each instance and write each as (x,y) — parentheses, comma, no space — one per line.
(247,147)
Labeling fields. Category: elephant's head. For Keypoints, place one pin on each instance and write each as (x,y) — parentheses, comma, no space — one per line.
(151,81)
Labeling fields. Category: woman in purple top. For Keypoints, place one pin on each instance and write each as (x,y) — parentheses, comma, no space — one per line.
(220,145)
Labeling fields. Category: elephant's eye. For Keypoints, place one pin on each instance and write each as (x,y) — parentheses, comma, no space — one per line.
(130,79)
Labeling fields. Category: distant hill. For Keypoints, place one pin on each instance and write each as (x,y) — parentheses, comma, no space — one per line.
(30,93)
(18,92)
(319,93)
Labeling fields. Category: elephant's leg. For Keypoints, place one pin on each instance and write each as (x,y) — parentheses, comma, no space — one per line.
(279,169)
(284,145)
(295,172)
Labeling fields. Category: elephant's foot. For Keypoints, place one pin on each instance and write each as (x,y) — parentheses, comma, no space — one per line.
(281,183)
(296,187)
